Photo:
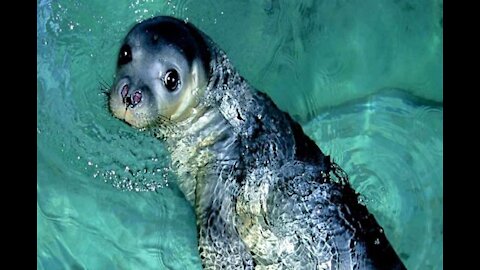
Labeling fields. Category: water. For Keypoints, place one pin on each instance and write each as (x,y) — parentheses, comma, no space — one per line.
(363,77)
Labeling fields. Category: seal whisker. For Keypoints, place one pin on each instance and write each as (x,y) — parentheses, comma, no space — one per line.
(105,96)
(104,91)
(104,88)
(104,85)
(163,125)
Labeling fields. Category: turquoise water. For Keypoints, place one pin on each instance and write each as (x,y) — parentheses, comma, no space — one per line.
(365,79)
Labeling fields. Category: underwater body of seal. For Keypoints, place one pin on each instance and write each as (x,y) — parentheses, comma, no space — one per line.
(388,140)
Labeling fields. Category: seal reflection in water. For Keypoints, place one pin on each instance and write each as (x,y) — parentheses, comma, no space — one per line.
(264,194)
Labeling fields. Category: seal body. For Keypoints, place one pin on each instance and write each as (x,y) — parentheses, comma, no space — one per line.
(264,194)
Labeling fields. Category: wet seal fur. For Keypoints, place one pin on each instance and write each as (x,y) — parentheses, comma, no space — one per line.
(264,194)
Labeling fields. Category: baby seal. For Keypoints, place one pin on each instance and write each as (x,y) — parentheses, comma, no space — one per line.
(264,194)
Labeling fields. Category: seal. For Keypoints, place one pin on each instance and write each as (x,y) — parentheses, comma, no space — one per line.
(264,194)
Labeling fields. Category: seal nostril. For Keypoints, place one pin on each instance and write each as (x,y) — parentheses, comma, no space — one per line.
(137,97)
(124,91)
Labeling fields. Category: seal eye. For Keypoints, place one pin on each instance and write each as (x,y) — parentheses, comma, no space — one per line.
(171,80)
(125,55)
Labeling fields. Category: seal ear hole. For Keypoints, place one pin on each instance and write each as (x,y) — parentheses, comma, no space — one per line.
(125,55)
(171,80)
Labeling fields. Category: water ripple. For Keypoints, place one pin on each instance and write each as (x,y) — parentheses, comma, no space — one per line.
(391,145)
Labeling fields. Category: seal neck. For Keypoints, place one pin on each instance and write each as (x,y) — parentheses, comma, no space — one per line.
(203,148)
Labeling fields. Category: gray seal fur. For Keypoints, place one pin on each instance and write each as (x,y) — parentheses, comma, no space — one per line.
(264,194)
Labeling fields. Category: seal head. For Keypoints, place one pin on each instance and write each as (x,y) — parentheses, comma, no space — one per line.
(162,65)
